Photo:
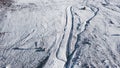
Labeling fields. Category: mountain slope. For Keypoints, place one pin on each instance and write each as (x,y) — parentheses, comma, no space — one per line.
(60,34)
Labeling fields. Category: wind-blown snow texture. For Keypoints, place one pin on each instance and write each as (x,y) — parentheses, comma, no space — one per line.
(60,34)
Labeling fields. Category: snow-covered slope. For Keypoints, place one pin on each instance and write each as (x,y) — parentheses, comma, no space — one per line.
(60,34)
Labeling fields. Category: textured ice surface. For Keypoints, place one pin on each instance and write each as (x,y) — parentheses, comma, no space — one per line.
(60,34)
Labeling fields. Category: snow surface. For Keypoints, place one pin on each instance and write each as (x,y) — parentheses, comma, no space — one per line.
(60,34)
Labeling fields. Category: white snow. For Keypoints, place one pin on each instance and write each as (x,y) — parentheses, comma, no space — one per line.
(60,34)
